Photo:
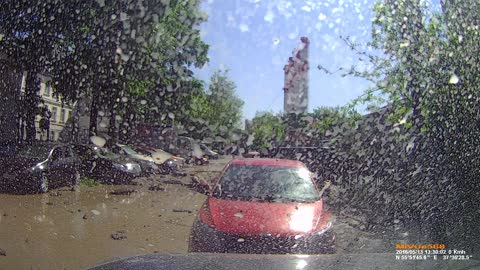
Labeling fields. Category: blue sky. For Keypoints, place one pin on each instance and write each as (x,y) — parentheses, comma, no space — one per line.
(254,38)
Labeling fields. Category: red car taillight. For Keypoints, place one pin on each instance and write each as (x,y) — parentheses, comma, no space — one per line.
(205,215)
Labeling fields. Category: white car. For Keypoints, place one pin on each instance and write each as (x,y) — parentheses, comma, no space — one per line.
(160,156)
(147,163)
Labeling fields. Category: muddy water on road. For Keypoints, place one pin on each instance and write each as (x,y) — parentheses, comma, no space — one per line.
(73,229)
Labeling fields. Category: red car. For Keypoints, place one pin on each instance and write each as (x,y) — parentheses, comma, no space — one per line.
(264,206)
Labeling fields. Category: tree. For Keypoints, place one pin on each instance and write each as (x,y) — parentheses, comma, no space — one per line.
(267,129)
(160,91)
(325,118)
(28,35)
(119,53)
(428,71)
(226,107)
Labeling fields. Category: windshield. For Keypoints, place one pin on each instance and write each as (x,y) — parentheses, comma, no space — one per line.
(38,152)
(279,184)
(378,99)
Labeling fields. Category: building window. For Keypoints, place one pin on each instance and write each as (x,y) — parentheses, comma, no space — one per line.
(48,89)
(62,116)
(54,114)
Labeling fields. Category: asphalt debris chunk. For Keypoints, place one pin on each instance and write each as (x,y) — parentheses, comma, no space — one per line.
(156,188)
(182,211)
(122,192)
(119,235)
(173,182)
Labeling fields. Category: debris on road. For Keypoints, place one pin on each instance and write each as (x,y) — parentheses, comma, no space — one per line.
(182,211)
(119,235)
(2,252)
(95,212)
(122,192)
(181,174)
(85,216)
(198,182)
(55,193)
(173,182)
(49,203)
(156,188)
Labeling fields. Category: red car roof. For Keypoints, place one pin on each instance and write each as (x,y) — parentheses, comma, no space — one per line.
(267,162)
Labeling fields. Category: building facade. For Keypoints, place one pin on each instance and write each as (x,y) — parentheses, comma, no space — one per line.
(58,112)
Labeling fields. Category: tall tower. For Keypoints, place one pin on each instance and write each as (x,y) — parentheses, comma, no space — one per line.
(296,79)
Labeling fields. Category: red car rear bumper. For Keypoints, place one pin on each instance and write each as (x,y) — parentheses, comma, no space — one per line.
(204,238)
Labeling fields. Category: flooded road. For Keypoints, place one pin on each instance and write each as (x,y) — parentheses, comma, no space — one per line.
(76,229)
(67,229)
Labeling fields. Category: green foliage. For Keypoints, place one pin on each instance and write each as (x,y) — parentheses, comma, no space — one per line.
(172,46)
(139,88)
(89,182)
(207,114)
(427,71)
(325,118)
(266,128)
(109,50)
(225,107)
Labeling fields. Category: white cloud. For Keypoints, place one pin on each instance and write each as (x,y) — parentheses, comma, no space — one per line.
(269,16)
(243,27)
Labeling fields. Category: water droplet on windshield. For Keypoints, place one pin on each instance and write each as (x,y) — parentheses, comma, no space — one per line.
(307,8)
(453,79)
